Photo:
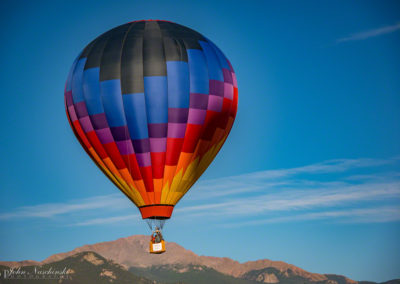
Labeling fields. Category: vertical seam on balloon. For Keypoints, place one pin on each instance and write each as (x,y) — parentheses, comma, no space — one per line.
(79,139)
(226,130)
(162,188)
(178,47)
(192,157)
(133,146)
(166,76)
(90,119)
(196,176)
(101,100)
(145,107)
(123,109)
(219,64)
(180,153)
(221,68)
(214,48)
(166,138)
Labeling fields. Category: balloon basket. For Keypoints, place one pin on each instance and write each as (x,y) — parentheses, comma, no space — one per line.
(157,248)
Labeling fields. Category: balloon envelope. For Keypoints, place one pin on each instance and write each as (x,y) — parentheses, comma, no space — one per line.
(152,103)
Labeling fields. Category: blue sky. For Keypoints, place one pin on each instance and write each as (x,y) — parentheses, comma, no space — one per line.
(310,174)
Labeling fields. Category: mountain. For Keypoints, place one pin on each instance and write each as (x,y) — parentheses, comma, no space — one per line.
(133,252)
(178,264)
(193,274)
(81,268)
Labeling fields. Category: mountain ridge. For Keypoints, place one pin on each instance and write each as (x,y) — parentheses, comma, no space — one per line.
(132,251)
(80,268)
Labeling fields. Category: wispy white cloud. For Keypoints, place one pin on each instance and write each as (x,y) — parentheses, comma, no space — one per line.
(283,178)
(299,199)
(370,33)
(108,220)
(292,202)
(364,215)
(48,210)
(321,186)
(298,192)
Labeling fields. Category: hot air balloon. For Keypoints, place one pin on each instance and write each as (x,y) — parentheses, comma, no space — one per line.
(152,102)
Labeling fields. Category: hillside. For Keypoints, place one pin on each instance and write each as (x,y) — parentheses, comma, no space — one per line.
(81,268)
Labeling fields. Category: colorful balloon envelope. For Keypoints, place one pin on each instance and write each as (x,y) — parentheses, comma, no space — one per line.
(152,102)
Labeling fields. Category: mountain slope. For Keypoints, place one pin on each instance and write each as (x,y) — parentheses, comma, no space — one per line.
(133,252)
(191,274)
(81,268)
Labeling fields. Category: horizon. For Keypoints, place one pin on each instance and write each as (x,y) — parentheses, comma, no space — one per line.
(309,175)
